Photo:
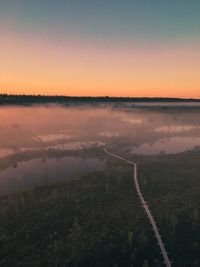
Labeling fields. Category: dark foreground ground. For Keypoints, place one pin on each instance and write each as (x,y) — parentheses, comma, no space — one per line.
(97,220)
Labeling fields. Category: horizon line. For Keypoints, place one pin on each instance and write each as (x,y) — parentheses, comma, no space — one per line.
(100,96)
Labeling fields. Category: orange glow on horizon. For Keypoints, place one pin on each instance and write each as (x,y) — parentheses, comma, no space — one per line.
(48,67)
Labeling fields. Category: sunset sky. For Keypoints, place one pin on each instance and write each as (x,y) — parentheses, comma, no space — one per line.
(100,47)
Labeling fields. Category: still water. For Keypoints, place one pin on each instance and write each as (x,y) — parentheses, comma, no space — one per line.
(39,172)
(170,145)
(148,132)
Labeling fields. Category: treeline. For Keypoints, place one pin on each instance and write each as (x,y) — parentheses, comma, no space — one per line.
(9,99)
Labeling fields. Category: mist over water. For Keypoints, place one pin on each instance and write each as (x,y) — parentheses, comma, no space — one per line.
(43,128)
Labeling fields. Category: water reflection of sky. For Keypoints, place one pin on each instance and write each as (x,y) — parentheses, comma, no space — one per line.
(177,128)
(132,120)
(167,145)
(6,152)
(52,137)
(109,134)
(148,131)
(38,172)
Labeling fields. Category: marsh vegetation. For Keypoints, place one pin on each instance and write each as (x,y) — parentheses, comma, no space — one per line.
(64,202)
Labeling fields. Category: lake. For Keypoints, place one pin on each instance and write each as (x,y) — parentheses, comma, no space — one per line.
(147,132)
(38,172)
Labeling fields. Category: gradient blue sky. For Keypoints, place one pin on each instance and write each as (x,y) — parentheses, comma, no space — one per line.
(144,24)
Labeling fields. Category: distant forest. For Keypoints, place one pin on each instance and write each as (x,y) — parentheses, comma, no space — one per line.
(6,99)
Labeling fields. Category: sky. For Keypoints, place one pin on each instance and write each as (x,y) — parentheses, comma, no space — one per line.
(108,47)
